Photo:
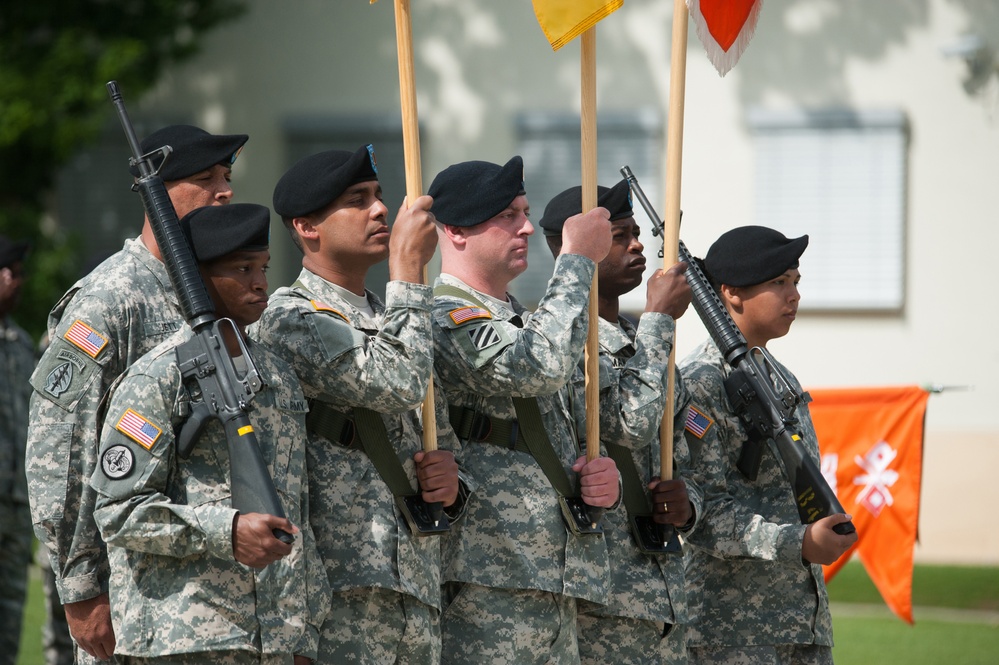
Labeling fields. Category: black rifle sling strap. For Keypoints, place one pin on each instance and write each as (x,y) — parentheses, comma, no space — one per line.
(636,501)
(369,427)
(532,427)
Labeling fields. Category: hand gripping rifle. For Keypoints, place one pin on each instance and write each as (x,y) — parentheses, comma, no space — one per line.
(204,360)
(759,392)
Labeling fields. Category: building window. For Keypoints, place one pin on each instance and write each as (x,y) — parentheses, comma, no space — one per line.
(840,177)
(550,145)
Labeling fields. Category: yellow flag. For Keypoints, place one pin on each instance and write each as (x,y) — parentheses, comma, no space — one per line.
(564,20)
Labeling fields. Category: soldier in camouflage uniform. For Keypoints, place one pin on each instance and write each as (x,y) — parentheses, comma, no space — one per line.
(513,570)
(192,579)
(358,358)
(754,572)
(103,324)
(17,360)
(643,619)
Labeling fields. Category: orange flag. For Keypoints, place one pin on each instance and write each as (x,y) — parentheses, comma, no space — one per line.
(871,440)
(564,20)
(725,28)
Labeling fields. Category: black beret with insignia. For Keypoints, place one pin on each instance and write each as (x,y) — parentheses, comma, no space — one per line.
(314,181)
(12,251)
(616,199)
(215,231)
(469,193)
(750,255)
(194,150)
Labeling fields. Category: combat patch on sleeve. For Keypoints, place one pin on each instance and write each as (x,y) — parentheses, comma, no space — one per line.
(137,428)
(85,338)
(484,336)
(117,462)
(466,314)
(697,423)
(320,306)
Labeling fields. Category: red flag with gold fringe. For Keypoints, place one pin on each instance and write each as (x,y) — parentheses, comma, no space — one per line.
(871,440)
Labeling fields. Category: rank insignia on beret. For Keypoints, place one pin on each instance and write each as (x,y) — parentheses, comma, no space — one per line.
(484,336)
(137,428)
(86,338)
(320,306)
(697,423)
(465,314)
(117,462)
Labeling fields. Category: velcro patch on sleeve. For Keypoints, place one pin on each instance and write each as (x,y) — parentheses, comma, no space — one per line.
(137,428)
(466,314)
(697,423)
(86,338)
(320,306)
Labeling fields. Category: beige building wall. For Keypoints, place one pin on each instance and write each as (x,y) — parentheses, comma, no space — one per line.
(479,62)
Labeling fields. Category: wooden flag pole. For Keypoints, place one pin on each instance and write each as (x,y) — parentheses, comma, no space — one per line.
(414,179)
(588,143)
(671,222)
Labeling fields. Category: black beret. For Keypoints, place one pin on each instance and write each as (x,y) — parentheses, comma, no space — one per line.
(751,255)
(12,251)
(314,181)
(616,199)
(215,231)
(470,193)
(194,150)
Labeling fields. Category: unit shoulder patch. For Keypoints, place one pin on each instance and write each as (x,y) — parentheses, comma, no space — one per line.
(117,462)
(139,429)
(697,423)
(484,336)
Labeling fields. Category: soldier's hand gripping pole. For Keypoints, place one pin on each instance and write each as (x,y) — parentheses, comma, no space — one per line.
(759,393)
(225,392)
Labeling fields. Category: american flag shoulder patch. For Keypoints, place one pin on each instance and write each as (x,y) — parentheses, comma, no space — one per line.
(465,314)
(697,423)
(85,338)
(137,428)
(320,306)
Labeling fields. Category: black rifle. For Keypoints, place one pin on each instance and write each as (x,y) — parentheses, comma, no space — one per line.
(204,360)
(758,391)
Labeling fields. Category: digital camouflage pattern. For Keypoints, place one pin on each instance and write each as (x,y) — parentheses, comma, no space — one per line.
(747,584)
(647,591)
(175,585)
(17,360)
(347,359)
(513,535)
(121,310)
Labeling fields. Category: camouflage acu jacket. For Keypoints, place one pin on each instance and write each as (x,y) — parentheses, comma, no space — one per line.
(103,324)
(346,359)
(175,584)
(747,583)
(17,360)
(513,535)
(633,364)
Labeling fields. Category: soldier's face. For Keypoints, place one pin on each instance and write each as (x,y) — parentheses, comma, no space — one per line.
(621,271)
(354,226)
(766,311)
(500,243)
(237,284)
(209,187)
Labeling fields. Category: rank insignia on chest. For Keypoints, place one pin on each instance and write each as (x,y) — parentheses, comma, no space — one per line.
(85,338)
(137,428)
(484,336)
(697,423)
(465,314)
(320,306)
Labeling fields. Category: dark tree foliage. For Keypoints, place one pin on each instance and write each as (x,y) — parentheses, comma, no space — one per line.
(55,58)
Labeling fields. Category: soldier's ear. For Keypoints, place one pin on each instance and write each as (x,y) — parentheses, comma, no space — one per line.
(458,235)
(305,227)
(733,296)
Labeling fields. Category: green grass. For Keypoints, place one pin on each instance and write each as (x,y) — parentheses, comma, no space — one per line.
(868,638)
